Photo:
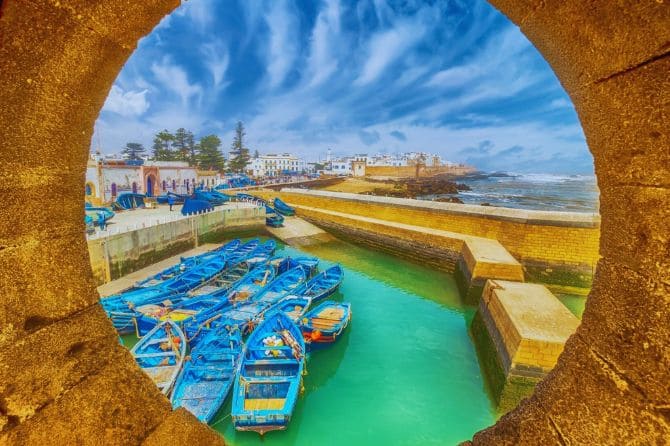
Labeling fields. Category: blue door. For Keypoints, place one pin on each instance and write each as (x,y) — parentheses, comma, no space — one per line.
(150,189)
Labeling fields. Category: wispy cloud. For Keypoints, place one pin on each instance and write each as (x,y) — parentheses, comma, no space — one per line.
(451,77)
(216,59)
(174,79)
(387,47)
(126,103)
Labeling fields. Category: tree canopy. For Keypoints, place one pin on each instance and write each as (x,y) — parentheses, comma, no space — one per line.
(133,150)
(209,156)
(162,147)
(239,153)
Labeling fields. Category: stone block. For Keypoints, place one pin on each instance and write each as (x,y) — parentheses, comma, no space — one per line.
(589,43)
(38,287)
(627,322)
(181,427)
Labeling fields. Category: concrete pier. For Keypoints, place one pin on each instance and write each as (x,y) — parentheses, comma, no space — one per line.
(520,329)
(149,240)
(298,232)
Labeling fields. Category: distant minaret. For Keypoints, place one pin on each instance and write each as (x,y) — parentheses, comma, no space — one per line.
(328,156)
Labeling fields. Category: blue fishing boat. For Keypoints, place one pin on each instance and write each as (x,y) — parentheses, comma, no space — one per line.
(270,376)
(178,198)
(272,218)
(283,208)
(187,310)
(283,264)
(207,376)
(214,198)
(262,254)
(161,354)
(323,284)
(192,206)
(128,200)
(324,324)
(294,306)
(99,213)
(251,285)
(186,263)
(243,315)
(120,308)
(250,198)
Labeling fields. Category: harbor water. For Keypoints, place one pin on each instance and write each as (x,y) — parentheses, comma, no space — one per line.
(405,372)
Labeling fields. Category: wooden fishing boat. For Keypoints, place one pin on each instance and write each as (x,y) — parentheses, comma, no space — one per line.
(283,208)
(272,218)
(120,308)
(294,306)
(208,374)
(250,198)
(245,315)
(186,263)
(324,324)
(323,284)
(270,376)
(252,284)
(283,264)
(161,354)
(188,309)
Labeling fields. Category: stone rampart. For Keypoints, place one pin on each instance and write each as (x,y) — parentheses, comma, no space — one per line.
(554,247)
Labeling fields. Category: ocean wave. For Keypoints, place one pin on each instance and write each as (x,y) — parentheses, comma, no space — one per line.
(550,177)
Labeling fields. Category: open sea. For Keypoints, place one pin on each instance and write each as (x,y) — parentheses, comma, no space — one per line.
(546,192)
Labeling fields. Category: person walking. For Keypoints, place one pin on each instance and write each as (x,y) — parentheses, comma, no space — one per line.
(170,201)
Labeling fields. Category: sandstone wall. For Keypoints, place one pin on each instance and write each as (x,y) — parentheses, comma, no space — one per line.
(554,247)
(411,171)
(116,255)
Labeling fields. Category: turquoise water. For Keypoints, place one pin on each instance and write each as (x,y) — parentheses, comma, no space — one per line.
(404,373)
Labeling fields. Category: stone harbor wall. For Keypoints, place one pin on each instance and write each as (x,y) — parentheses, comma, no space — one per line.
(554,247)
(116,255)
(519,331)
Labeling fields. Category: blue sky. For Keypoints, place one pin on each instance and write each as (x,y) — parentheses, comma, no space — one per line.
(453,77)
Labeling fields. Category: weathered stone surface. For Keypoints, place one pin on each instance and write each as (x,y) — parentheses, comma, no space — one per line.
(42,280)
(588,41)
(627,325)
(183,428)
(59,59)
(625,121)
(40,367)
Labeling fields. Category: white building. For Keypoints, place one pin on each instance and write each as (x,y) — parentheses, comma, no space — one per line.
(273,165)
(341,167)
(107,178)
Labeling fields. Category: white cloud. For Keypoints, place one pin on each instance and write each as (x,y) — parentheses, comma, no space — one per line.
(200,12)
(323,57)
(387,47)
(174,79)
(216,59)
(126,103)
(560,103)
(282,47)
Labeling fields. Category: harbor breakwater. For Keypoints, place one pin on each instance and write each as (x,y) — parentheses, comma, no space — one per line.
(116,255)
(556,248)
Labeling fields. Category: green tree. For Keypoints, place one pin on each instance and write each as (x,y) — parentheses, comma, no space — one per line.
(256,154)
(133,150)
(184,145)
(192,149)
(209,155)
(162,147)
(239,153)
